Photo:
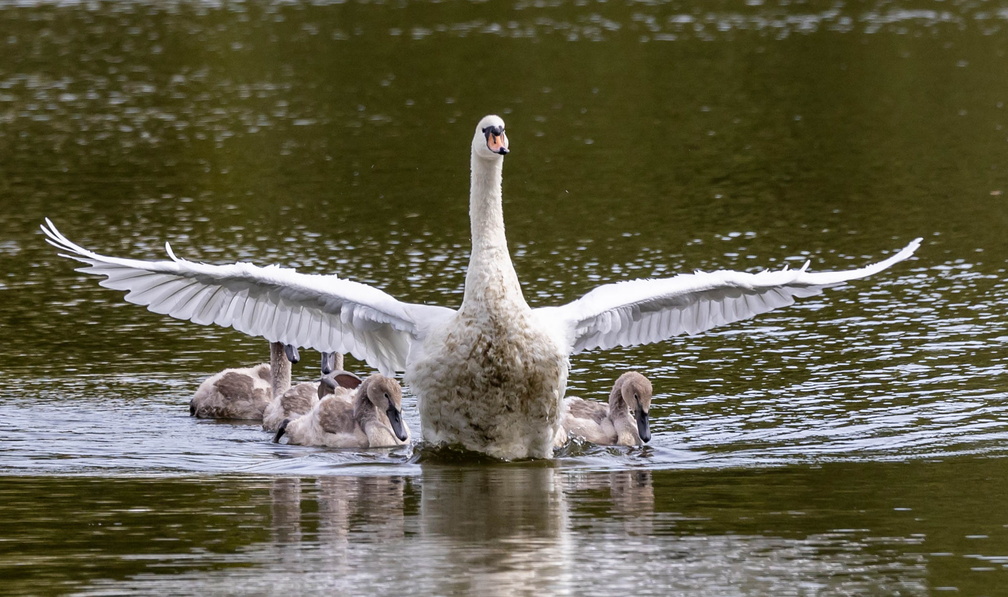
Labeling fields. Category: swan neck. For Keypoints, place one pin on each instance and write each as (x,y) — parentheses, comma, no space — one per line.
(280,369)
(486,211)
(491,271)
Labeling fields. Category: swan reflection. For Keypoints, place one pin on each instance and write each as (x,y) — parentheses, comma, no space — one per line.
(502,529)
(534,529)
(334,511)
(626,498)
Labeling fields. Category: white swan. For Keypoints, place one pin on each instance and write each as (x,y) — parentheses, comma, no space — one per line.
(243,393)
(489,376)
(371,419)
(623,421)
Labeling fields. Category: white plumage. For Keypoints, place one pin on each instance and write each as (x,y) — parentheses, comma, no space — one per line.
(490,376)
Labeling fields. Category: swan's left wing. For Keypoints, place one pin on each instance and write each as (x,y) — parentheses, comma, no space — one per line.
(326,313)
(645,311)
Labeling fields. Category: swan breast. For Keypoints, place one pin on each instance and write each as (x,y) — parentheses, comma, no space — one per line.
(493,383)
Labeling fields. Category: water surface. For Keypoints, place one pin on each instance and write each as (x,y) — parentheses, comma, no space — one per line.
(851,444)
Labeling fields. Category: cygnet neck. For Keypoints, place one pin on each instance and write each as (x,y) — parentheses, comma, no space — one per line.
(280,369)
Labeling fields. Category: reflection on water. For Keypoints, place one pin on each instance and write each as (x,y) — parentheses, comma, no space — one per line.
(519,513)
(514,530)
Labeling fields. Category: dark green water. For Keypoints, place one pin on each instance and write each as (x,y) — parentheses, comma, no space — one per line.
(852,444)
(516,530)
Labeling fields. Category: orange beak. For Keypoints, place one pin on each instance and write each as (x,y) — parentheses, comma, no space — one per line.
(497,143)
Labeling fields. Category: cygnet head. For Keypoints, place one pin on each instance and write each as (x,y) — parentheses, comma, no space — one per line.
(386,395)
(490,142)
(632,393)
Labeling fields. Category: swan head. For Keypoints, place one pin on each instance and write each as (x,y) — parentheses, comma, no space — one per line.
(631,398)
(386,395)
(490,142)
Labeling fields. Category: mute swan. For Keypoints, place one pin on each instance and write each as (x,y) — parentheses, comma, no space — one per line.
(623,421)
(373,419)
(489,376)
(244,393)
(300,398)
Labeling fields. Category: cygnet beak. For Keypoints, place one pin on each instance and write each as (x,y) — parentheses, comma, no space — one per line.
(643,425)
(327,386)
(395,419)
(328,362)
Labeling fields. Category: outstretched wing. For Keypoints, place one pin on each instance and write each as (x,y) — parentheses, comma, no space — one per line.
(645,311)
(322,312)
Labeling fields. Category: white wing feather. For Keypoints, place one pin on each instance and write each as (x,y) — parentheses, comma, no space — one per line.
(335,315)
(645,311)
(322,312)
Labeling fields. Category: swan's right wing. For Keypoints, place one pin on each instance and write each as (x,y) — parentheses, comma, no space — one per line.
(644,311)
(325,313)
